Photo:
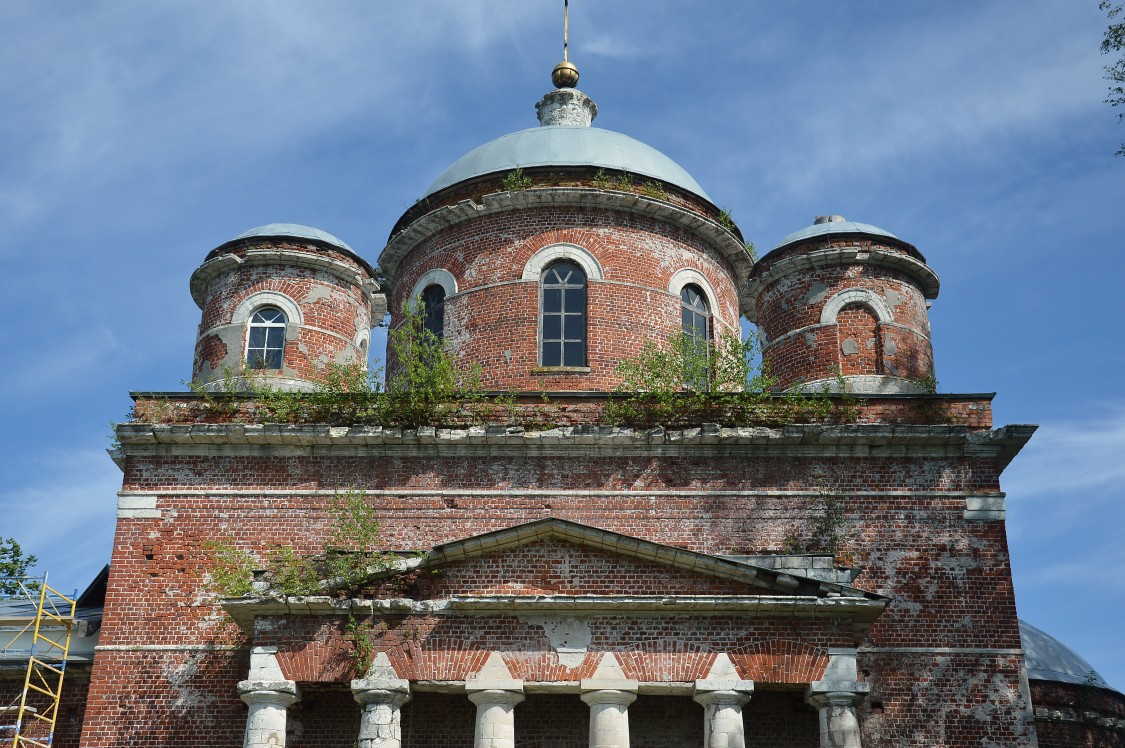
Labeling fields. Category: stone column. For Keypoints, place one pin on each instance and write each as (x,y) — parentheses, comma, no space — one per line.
(496,718)
(609,717)
(723,726)
(268,700)
(380,724)
(836,697)
(839,724)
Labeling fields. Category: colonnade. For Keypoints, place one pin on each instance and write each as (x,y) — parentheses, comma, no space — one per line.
(608,694)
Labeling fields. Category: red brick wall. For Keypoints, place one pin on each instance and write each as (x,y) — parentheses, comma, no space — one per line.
(72,707)
(798,349)
(1071,715)
(334,310)
(487,322)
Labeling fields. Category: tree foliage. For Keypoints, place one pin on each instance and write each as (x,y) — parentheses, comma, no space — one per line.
(13,565)
(1114,41)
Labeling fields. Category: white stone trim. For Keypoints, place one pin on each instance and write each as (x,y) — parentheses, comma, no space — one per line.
(545,256)
(687,276)
(137,507)
(436,277)
(260,299)
(855,296)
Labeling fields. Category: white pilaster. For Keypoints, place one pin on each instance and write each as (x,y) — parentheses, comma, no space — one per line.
(268,700)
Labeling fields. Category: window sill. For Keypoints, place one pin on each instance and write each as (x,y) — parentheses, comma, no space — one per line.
(561,370)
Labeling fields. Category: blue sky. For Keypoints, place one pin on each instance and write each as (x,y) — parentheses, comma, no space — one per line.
(137,135)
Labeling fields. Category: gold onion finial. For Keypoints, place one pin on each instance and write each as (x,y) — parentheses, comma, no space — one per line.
(565,74)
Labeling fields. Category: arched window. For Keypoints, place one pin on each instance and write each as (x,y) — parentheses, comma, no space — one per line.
(265,343)
(433,302)
(562,315)
(695,314)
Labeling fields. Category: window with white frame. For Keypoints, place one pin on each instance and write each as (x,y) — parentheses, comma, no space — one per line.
(265,340)
(562,315)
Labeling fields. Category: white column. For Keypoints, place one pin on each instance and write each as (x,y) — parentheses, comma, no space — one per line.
(380,725)
(723,726)
(839,724)
(268,700)
(835,697)
(609,717)
(496,718)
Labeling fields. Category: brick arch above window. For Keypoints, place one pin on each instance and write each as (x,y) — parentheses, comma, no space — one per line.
(572,252)
(863,296)
(260,299)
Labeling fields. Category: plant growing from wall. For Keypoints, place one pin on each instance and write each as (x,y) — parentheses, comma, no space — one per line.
(602,180)
(514,181)
(724,219)
(427,384)
(655,190)
(350,555)
(824,529)
(683,382)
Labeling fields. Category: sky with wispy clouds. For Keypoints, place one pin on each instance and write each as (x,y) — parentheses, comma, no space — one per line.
(136,135)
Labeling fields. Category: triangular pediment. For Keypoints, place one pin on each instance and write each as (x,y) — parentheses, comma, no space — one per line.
(528,558)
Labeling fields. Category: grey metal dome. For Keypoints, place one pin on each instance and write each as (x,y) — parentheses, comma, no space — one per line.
(567,146)
(835,225)
(296,231)
(1049,659)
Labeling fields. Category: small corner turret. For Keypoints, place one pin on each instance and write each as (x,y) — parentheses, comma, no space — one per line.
(282,302)
(842,304)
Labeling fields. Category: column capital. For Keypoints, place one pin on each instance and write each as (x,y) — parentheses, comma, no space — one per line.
(725,697)
(826,693)
(505,697)
(280,693)
(619,697)
(381,691)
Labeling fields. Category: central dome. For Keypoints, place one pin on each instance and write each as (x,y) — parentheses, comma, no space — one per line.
(560,145)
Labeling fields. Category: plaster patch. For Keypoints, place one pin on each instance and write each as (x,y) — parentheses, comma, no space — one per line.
(888,344)
(849,347)
(318,293)
(894,298)
(570,637)
(816,293)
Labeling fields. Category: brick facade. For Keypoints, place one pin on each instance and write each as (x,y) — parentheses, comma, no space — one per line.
(535,564)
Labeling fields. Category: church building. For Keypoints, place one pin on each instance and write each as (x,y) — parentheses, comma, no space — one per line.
(832,577)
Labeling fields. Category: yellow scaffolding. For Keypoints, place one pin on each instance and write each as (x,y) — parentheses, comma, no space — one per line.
(50,623)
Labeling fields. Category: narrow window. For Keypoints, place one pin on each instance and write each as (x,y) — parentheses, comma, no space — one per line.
(563,316)
(433,304)
(696,315)
(265,345)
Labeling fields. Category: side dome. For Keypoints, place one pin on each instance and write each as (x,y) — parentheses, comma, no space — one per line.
(1049,659)
(294,231)
(560,145)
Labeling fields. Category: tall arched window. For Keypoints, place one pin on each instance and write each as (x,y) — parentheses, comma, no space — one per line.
(433,302)
(265,343)
(696,314)
(562,315)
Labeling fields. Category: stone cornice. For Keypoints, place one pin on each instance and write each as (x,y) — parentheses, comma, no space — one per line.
(927,279)
(710,440)
(216,266)
(862,611)
(723,241)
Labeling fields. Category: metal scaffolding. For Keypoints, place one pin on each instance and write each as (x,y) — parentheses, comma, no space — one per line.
(36,621)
